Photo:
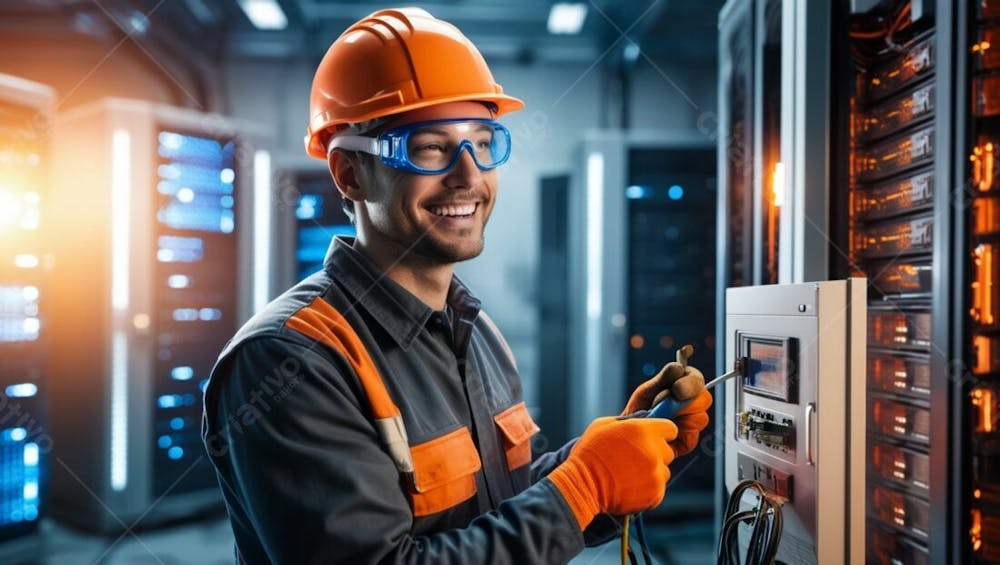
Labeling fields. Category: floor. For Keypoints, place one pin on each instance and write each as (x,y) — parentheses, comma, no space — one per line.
(209,542)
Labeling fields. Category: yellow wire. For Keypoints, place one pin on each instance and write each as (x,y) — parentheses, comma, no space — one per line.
(625,560)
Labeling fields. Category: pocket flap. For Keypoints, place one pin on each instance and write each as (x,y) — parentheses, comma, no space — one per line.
(516,424)
(444,459)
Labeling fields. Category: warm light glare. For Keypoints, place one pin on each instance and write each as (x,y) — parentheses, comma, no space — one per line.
(982,285)
(983,400)
(264,14)
(10,208)
(778,184)
(565,18)
(976,530)
(26,261)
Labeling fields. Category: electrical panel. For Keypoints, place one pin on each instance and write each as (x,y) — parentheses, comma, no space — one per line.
(25,307)
(794,414)
(159,274)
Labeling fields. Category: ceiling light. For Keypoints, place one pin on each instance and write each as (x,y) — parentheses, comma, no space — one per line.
(264,14)
(567,18)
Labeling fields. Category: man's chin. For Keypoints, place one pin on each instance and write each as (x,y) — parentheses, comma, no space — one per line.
(451,252)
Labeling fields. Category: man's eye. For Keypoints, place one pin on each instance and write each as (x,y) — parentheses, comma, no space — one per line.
(429,148)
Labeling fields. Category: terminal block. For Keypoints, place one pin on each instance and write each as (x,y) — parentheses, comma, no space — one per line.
(772,430)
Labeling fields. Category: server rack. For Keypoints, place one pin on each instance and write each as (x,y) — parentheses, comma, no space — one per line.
(25,304)
(978,133)
(156,266)
(309,217)
(902,181)
(909,201)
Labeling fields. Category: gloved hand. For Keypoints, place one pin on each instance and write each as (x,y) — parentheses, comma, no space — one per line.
(674,379)
(690,421)
(682,383)
(617,467)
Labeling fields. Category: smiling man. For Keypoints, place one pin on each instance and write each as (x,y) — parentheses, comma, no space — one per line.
(373,413)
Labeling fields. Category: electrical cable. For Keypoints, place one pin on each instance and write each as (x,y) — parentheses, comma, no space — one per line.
(640,531)
(766,521)
(625,540)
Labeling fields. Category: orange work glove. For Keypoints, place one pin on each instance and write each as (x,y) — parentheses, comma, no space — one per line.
(674,379)
(690,421)
(618,467)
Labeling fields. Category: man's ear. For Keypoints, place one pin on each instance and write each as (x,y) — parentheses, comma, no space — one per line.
(344,168)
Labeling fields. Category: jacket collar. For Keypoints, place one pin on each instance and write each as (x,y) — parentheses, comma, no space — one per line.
(399,312)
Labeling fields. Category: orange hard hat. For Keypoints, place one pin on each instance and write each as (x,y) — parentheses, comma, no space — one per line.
(391,62)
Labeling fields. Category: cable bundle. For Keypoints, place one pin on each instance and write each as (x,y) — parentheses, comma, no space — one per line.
(766,532)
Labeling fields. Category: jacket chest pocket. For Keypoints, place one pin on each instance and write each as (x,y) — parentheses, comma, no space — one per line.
(516,427)
(444,472)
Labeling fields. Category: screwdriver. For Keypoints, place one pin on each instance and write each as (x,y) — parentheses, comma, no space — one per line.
(669,407)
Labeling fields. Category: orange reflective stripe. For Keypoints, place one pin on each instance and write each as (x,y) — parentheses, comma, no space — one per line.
(444,468)
(322,322)
(444,472)
(517,427)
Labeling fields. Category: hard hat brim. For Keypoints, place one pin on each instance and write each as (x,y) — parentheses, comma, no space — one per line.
(321,129)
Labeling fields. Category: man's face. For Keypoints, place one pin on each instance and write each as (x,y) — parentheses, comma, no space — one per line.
(427,215)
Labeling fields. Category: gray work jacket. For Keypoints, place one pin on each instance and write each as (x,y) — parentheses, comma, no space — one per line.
(292,413)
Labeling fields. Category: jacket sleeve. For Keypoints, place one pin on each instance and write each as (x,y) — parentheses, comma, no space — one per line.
(306,468)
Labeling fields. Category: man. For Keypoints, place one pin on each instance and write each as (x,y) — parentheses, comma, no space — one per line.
(373,413)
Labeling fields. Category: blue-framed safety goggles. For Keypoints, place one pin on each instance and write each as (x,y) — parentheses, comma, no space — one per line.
(434,147)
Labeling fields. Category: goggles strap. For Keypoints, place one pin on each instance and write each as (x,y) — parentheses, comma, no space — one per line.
(353,143)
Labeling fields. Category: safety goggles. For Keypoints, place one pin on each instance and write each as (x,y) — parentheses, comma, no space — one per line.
(434,147)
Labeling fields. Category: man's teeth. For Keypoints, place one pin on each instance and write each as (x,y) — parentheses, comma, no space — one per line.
(459,210)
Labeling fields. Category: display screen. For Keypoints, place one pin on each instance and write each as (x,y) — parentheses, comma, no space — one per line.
(769,370)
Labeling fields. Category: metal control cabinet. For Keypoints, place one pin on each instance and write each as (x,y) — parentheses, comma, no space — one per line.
(156,208)
(794,421)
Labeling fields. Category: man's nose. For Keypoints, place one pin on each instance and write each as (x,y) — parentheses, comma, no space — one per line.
(466,173)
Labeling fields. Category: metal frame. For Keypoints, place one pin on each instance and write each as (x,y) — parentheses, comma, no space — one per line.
(805,222)
(732,15)
(950,441)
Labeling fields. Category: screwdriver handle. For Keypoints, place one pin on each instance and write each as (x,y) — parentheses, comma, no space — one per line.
(668,408)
